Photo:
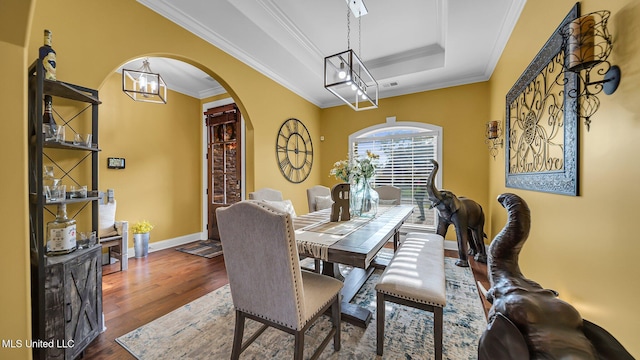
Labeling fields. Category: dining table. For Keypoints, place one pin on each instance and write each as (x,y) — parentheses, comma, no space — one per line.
(354,243)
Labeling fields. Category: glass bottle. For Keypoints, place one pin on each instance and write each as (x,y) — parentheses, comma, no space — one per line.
(50,128)
(48,57)
(61,233)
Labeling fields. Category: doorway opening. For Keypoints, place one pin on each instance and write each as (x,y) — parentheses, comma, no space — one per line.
(224,157)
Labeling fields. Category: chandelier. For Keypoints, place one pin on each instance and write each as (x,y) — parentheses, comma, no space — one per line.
(144,85)
(345,75)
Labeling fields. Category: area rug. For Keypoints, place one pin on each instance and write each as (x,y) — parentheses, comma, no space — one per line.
(205,248)
(203,329)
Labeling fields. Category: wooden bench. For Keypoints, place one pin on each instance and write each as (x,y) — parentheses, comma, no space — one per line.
(415,278)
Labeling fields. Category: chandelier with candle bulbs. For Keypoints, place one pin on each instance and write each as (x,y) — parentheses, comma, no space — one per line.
(144,85)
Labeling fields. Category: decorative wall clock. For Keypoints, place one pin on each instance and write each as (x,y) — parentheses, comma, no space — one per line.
(294,150)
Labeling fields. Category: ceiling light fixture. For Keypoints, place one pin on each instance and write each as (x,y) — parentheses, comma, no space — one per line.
(344,73)
(144,85)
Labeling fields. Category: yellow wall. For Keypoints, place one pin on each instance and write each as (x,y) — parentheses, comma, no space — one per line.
(15,303)
(162,145)
(585,247)
(77,63)
(90,48)
(266,170)
(82,58)
(461,111)
(581,246)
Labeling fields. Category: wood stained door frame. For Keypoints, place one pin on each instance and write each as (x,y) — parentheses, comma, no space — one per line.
(204,202)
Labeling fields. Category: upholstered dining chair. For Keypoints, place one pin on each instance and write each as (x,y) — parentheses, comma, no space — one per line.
(256,236)
(318,197)
(266,194)
(274,198)
(389,195)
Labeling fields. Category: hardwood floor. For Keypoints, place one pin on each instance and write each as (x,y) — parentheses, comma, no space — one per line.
(150,288)
(480,274)
(162,282)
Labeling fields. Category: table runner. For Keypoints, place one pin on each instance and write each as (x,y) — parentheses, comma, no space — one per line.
(315,233)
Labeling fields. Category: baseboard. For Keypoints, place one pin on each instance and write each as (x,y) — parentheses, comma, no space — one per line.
(482,289)
(451,245)
(169,243)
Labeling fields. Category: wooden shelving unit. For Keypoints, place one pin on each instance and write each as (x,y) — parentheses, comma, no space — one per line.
(66,290)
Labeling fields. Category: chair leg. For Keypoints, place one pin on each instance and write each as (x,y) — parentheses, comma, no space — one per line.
(237,336)
(316,266)
(437,332)
(335,312)
(299,345)
(380,323)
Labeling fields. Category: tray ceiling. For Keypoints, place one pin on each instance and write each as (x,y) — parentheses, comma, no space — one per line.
(408,45)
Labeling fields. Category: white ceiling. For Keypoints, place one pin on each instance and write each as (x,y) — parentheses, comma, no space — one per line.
(180,76)
(407,45)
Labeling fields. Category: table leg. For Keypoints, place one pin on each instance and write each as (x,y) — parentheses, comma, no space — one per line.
(332,269)
(396,240)
(354,281)
(351,313)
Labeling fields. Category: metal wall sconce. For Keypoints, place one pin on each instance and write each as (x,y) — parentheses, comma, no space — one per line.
(144,85)
(587,44)
(493,137)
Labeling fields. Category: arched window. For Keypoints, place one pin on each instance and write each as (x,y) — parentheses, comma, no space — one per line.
(404,148)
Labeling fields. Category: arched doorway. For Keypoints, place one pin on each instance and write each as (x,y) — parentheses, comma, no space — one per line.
(177,156)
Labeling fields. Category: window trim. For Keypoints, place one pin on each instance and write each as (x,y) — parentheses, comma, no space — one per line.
(421,128)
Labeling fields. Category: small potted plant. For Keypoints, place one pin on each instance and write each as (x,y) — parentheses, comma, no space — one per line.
(141,231)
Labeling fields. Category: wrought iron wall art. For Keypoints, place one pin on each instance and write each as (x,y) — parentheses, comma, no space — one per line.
(542,125)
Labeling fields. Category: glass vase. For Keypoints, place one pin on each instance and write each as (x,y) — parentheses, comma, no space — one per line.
(364,200)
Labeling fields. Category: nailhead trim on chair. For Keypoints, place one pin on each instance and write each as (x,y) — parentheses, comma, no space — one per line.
(281,323)
(263,317)
(301,320)
(300,323)
(298,296)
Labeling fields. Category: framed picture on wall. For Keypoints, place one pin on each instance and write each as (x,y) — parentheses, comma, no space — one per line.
(542,123)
